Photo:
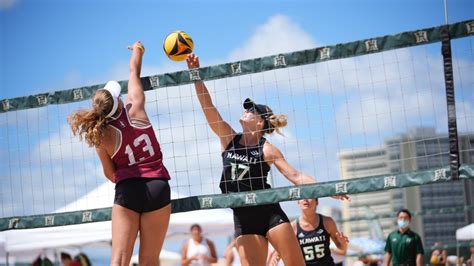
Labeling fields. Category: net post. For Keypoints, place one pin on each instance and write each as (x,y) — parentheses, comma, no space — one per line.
(450,100)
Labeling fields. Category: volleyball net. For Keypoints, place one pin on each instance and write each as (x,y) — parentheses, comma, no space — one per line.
(366,116)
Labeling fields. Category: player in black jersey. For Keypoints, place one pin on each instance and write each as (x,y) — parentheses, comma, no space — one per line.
(247,158)
(314,232)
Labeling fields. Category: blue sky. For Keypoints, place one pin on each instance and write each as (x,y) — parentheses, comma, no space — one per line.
(53,45)
(56,45)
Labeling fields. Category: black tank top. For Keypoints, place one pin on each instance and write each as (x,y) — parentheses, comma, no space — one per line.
(315,244)
(244,167)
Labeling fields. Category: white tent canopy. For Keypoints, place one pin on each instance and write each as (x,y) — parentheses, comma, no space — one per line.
(55,237)
(465,233)
(213,222)
(217,222)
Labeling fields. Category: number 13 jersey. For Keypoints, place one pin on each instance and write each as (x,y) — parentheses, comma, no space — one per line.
(244,167)
(139,153)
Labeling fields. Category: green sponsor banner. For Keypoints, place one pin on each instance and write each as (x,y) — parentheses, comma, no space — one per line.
(310,56)
(260,197)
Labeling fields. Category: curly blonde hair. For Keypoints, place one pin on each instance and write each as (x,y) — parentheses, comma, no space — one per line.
(91,124)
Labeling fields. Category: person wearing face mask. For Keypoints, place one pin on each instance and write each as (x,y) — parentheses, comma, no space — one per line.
(403,246)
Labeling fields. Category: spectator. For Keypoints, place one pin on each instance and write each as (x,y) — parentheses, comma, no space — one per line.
(338,255)
(42,260)
(438,255)
(370,260)
(82,260)
(231,254)
(403,246)
(470,260)
(198,251)
(66,260)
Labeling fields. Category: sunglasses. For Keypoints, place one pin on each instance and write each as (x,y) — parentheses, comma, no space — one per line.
(252,110)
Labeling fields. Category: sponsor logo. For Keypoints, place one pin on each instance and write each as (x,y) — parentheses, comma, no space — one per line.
(6,105)
(341,187)
(324,53)
(13,223)
(279,61)
(294,193)
(87,217)
(421,36)
(389,181)
(194,75)
(77,94)
(250,198)
(440,174)
(206,203)
(154,81)
(49,220)
(235,68)
(371,46)
(42,99)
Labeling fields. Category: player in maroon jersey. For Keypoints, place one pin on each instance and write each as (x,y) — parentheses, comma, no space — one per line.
(131,157)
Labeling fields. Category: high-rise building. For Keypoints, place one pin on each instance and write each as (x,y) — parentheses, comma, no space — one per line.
(418,149)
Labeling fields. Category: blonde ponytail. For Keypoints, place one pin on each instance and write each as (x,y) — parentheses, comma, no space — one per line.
(90,125)
(276,122)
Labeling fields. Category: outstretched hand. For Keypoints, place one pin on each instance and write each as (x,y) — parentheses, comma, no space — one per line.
(342,197)
(137,46)
(193,61)
(342,238)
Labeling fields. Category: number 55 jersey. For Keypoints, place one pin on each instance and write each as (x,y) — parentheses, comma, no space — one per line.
(138,153)
(315,244)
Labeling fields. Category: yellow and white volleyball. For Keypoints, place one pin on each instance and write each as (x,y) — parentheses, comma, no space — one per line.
(178,45)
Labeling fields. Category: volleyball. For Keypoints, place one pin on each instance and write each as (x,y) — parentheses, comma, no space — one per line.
(178,45)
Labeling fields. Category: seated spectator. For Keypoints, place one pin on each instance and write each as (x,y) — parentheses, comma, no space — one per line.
(66,260)
(438,255)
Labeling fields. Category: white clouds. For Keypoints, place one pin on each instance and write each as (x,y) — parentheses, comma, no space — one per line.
(73,79)
(6,4)
(278,35)
(400,94)
(465,111)
(118,71)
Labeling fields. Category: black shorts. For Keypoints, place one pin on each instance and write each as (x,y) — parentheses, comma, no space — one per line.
(258,220)
(143,194)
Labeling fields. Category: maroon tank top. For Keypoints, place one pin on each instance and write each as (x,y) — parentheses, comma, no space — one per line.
(139,154)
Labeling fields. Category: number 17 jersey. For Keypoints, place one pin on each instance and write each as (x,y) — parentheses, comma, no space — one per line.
(244,167)
(139,153)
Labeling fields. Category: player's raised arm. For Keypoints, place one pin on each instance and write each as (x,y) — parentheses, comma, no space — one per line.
(136,96)
(220,127)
